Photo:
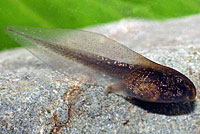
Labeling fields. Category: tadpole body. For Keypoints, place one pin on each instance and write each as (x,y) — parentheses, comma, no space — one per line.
(82,51)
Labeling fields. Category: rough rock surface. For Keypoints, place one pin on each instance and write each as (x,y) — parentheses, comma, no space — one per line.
(35,99)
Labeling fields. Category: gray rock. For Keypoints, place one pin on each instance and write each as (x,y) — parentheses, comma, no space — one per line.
(36,99)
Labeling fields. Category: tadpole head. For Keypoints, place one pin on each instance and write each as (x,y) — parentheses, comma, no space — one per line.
(186,86)
(175,87)
(164,85)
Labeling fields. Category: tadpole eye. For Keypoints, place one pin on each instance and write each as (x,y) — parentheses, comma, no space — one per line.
(179,80)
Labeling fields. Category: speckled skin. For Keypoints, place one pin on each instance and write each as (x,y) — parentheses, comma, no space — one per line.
(159,85)
(148,81)
(154,83)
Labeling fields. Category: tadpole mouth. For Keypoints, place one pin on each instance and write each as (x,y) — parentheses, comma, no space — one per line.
(191,90)
(191,94)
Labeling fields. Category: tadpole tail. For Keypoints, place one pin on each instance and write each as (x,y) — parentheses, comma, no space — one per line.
(100,63)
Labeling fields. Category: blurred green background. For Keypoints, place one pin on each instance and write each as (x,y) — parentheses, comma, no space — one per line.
(81,13)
